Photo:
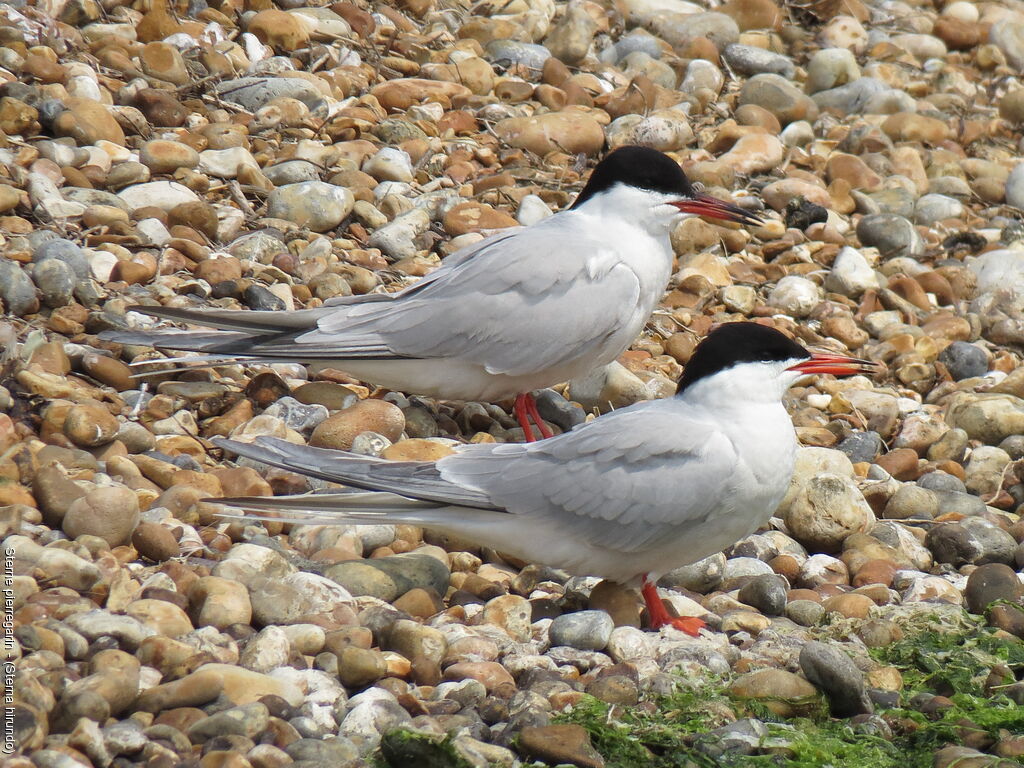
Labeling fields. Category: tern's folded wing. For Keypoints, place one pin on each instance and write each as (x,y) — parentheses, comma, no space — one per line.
(625,481)
(532,300)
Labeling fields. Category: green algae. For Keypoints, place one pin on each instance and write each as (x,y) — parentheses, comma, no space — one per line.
(966,662)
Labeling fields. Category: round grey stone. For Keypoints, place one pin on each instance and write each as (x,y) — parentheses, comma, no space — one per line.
(251,93)
(66,251)
(1014,446)
(56,282)
(702,576)
(509,52)
(766,593)
(892,235)
(852,97)
(750,60)
(327,751)
(862,446)
(833,672)
(911,502)
(991,582)
(584,630)
(559,411)
(972,540)
(292,172)
(942,481)
(638,40)
(16,290)
(806,613)
(964,360)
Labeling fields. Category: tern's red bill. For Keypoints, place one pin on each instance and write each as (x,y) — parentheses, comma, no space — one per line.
(837,365)
(713,208)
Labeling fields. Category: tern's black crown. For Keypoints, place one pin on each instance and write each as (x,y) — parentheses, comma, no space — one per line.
(639,167)
(734,343)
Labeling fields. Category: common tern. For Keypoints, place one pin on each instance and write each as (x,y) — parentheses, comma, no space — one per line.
(522,309)
(626,497)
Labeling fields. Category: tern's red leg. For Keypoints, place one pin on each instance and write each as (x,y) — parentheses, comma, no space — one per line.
(660,616)
(531,409)
(522,412)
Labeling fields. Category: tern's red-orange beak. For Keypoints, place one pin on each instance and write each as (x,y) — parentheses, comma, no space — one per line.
(837,365)
(713,208)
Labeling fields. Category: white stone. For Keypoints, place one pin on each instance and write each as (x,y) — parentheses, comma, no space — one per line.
(1001,269)
(851,274)
(962,10)
(226,163)
(268,650)
(101,264)
(396,239)
(389,164)
(796,296)
(153,231)
(160,194)
(811,461)
(531,210)
(314,204)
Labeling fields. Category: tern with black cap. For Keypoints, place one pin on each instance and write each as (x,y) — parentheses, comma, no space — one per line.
(523,309)
(627,497)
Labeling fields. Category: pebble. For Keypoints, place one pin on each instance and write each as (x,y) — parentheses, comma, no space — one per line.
(989,583)
(892,235)
(782,692)
(834,673)
(566,131)
(313,204)
(109,512)
(795,296)
(766,593)
(851,274)
(585,630)
(339,430)
(826,511)
(557,744)
(750,60)
(964,360)
(164,195)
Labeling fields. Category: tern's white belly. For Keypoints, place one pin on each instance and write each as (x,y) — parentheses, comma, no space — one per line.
(450,379)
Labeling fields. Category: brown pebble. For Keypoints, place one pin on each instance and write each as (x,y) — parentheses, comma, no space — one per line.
(90,425)
(850,605)
(901,463)
(155,542)
(340,429)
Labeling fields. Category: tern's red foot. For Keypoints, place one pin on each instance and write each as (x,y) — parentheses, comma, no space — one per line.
(691,625)
(521,409)
(531,409)
(525,409)
(660,617)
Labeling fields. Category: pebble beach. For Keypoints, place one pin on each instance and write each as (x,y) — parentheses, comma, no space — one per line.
(271,155)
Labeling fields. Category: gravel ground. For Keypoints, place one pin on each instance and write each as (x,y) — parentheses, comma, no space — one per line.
(246,154)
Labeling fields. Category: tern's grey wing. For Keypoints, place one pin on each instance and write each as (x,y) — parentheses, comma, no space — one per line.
(535,299)
(625,481)
(418,480)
